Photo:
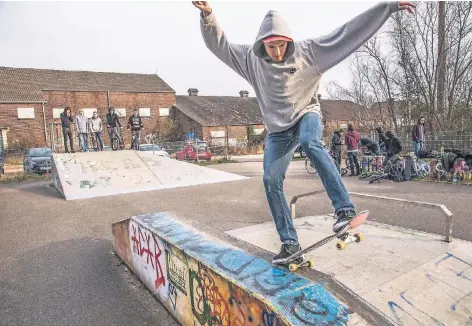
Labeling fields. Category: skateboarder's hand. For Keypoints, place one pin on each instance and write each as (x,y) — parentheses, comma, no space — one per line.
(203,6)
(402,5)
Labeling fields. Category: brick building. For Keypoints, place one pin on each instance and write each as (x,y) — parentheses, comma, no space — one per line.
(340,113)
(30,99)
(215,118)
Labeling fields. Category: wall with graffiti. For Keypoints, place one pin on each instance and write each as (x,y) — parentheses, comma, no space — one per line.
(206,282)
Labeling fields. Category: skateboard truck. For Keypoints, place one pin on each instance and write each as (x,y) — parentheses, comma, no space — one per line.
(343,235)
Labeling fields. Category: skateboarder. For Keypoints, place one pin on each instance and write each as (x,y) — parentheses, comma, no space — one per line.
(285,75)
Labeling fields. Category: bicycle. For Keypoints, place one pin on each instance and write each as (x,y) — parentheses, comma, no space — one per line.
(392,170)
(310,167)
(115,142)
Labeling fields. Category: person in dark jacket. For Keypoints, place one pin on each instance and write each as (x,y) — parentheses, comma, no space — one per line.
(135,124)
(371,145)
(336,145)
(418,135)
(393,144)
(113,122)
(66,119)
(352,141)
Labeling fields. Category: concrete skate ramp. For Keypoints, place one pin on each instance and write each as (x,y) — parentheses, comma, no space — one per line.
(204,281)
(94,174)
(413,278)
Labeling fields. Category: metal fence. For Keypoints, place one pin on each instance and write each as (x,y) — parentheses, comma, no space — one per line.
(461,140)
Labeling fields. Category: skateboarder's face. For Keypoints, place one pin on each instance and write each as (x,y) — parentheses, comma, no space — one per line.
(276,50)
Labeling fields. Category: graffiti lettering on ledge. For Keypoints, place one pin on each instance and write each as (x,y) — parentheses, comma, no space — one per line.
(208,305)
(177,270)
(145,244)
(212,303)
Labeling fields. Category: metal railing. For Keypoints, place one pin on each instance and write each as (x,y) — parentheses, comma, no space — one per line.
(444,209)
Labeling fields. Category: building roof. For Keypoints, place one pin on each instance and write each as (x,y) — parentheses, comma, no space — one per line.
(27,84)
(236,110)
(335,110)
(220,110)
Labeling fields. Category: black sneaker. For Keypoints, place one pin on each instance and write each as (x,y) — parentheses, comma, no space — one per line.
(343,218)
(287,251)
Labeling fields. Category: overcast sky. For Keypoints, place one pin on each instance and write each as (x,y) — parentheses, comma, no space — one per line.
(150,37)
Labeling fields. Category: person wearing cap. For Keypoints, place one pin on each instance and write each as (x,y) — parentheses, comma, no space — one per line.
(285,75)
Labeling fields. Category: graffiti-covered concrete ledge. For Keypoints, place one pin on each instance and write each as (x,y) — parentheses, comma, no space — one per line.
(202,280)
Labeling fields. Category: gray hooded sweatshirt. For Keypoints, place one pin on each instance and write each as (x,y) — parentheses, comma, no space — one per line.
(287,90)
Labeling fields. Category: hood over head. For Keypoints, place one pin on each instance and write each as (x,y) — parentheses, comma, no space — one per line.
(273,24)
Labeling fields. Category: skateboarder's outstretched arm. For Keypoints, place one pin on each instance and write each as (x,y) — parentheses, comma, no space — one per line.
(329,50)
(233,55)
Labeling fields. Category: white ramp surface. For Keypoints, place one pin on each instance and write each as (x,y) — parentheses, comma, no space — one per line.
(414,278)
(95,174)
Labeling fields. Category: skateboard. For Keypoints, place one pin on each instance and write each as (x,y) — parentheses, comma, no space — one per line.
(295,261)
(408,166)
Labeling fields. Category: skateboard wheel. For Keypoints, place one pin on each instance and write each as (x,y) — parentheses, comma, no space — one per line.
(292,267)
(311,264)
(358,237)
(341,245)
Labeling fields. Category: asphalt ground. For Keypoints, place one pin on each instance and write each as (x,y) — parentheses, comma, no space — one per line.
(57,265)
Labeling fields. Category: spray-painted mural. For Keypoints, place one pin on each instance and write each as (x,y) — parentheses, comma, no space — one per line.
(205,282)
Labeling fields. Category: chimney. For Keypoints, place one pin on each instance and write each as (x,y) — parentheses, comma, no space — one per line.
(243,93)
(192,92)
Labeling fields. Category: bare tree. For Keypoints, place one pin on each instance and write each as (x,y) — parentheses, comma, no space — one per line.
(422,62)
(437,74)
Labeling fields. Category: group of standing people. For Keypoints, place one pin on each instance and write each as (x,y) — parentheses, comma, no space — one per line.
(84,126)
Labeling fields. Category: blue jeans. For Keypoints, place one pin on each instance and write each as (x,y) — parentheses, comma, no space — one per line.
(98,135)
(278,154)
(417,146)
(83,141)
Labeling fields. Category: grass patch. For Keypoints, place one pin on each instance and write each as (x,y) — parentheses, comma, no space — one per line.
(14,159)
(20,177)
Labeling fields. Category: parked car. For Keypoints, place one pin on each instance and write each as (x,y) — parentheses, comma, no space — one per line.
(154,148)
(189,152)
(37,160)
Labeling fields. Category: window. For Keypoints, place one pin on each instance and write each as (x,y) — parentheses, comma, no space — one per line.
(163,112)
(145,112)
(88,112)
(218,133)
(121,112)
(25,113)
(40,152)
(258,131)
(56,112)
